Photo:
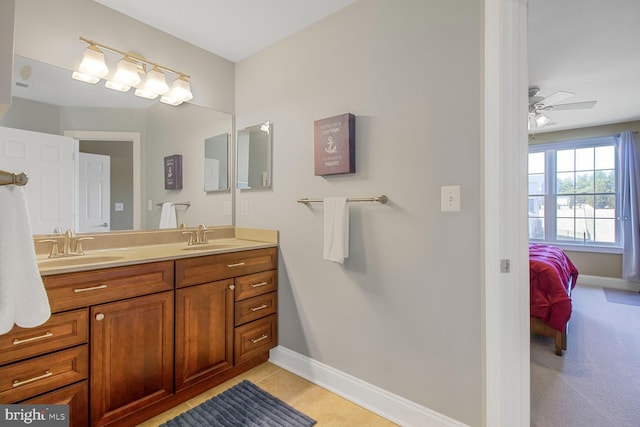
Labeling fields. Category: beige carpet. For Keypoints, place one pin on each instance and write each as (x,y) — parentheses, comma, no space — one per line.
(597,381)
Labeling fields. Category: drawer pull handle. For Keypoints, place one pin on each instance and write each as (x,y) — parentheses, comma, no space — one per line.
(257,285)
(18,383)
(262,307)
(239,264)
(232,287)
(18,341)
(257,340)
(93,288)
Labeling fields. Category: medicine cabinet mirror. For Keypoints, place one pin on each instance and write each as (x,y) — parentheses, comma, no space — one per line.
(254,157)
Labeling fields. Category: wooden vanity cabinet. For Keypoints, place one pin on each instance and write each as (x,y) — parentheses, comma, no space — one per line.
(204,331)
(131,355)
(48,364)
(239,287)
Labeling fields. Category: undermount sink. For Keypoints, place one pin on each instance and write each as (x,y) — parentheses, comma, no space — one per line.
(209,247)
(78,260)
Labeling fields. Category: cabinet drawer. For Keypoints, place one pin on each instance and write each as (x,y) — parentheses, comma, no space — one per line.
(26,379)
(75,396)
(67,291)
(255,308)
(62,330)
(254,338)
(210,268)
(256,284)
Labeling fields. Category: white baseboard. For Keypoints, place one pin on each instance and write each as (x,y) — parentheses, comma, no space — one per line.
(388,405)
(608,282)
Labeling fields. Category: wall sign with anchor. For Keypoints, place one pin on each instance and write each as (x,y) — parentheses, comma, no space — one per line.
(335,145)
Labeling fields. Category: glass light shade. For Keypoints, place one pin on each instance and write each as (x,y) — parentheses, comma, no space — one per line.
(85,77)
(167,99)
(181,89)
(145,94)
(116,86)
(93,63)
(542,120)
(127,72)
(156,82)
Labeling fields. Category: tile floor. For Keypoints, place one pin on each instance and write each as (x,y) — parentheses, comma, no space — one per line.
(327,408)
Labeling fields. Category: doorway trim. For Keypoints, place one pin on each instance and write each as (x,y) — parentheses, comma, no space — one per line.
(134,138)
(506,294)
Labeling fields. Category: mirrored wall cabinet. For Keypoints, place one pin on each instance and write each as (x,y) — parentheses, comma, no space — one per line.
(253,157)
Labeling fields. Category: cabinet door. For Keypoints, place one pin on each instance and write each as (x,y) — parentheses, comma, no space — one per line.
(131,355)
(204,331)
(75,396)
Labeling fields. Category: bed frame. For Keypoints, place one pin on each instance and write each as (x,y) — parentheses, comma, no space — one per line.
(538,327)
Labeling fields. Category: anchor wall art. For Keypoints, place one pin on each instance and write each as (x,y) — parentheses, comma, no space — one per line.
(335,145)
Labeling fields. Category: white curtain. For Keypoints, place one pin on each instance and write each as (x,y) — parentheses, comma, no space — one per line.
(630,207)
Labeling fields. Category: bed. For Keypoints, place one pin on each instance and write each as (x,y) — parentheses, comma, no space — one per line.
(552,276)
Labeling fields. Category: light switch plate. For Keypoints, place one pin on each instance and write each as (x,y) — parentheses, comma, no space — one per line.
(119,207)
(450,198)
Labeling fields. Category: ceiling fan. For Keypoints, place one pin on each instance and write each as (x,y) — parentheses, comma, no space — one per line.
(538,105)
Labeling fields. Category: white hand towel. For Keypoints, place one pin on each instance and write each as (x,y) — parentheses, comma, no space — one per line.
(23,298)
(336,229)
(168,216)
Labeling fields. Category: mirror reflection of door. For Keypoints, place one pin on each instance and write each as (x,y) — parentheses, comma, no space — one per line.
(48,162)
(216,171)
(94,193)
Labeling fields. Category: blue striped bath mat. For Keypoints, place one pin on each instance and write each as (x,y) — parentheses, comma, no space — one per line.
(244,404)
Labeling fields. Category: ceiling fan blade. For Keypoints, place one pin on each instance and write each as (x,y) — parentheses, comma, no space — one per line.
(557,97)
(573,106)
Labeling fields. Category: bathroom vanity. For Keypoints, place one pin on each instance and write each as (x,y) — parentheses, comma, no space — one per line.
(137,330)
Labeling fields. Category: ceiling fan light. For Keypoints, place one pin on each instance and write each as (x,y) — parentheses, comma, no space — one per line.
(127,72)
(156,82)
(542,120)
(93,62)
(77,75)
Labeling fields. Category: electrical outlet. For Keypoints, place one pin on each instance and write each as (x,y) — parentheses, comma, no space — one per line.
(244,207)
(450,198)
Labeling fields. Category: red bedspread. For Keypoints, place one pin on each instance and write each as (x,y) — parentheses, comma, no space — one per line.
(549,271)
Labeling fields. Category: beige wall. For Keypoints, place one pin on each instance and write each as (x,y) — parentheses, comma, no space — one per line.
(404,311)
(590,263)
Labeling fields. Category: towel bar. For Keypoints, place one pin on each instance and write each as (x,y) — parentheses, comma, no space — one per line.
(9,178)
(187,204)
(380,199)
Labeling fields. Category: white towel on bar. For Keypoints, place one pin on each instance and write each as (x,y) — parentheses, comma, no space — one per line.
(336,229)
(23,298)
(168,216)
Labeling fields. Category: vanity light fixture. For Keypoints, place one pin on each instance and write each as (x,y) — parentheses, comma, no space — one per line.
(129,73)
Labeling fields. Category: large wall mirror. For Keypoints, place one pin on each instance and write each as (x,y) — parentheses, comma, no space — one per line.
(253,155)
(216,163)
(137,134)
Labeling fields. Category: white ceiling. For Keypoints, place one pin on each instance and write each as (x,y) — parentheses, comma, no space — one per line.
(588,47)
(233,29)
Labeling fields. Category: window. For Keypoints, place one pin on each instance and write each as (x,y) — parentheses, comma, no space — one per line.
(574,192)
